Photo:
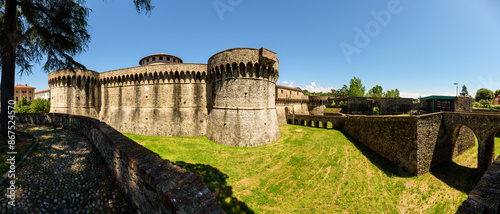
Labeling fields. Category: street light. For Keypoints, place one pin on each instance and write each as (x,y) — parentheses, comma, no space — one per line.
(457,87)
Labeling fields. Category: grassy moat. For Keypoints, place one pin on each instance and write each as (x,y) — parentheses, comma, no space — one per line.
(312,170)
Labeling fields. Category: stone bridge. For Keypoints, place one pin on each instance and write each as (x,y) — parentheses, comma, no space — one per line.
(416,143)
(484,126)
(337,122)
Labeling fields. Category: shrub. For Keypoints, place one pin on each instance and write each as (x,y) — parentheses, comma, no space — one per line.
(23,106)
(40,106)
(376,111)
(485,103)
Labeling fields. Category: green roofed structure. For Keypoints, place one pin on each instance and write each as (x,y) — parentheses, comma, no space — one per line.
(437,103)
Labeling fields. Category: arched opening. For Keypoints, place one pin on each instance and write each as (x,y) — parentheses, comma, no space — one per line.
(287,111)
(312,123)
(288,121)
(455,157)
(455,145)
(329,125)
(295,122)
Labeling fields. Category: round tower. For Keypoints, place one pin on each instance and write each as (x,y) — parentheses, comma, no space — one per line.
(74,92)
(159,58)
(241,97)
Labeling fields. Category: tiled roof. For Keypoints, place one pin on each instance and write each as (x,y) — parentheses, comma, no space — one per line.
(42,91)
(23,86)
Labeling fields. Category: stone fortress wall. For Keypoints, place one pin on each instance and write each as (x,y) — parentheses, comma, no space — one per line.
(166,97)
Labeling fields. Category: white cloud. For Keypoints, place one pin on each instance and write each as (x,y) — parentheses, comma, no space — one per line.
(317,88)
(284,82)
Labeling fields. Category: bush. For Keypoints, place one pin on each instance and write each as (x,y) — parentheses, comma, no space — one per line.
(485,103)
(376,111)
(343,103)
(23,106)
(40,106)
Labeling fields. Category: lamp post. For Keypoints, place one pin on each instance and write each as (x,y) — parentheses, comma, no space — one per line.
(457,87)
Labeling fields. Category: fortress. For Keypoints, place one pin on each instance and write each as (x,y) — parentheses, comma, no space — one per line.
(231,100)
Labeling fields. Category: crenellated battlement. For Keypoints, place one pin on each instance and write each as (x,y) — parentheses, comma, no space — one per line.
(243,63)
(77,77)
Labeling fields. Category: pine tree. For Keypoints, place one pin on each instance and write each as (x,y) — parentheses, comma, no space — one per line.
(32,30)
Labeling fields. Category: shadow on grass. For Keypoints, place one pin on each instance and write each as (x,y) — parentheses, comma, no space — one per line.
(216,182)
(456,176)
(389,168)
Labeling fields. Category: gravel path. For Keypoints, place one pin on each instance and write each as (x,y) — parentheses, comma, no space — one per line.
(64,174)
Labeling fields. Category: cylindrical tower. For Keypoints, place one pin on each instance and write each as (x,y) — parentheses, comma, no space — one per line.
(159,58)
(74,92)
(241,97)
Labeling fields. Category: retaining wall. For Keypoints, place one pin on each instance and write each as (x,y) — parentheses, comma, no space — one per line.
(485,197)
(394,138)
(152,184)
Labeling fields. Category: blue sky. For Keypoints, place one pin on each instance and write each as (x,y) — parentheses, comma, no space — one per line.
(422,49)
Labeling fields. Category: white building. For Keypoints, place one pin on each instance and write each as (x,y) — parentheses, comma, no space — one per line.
(45,94)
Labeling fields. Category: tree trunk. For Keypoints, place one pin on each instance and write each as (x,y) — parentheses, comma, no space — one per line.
(8,62)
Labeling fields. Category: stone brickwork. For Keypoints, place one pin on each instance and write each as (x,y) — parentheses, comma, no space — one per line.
(485,197)
(394,138)
(364,105)
(165,97)
(152,184)
(463,104)
(74,92)
(418,143)
(242,87)
(317,104)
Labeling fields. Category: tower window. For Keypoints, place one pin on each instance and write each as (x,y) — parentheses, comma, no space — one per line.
(281,91)
(161,58)
(147,60)
(168,58)
(154,58)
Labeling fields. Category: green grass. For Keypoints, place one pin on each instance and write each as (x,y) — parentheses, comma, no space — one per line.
(311,170)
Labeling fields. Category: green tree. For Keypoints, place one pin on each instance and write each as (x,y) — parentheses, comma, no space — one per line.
(497,92)
(23,106)
(376,91)
(394,93)
(484,94)
(40,106)
(32,30)
(356,88)
(464,91)
(341,93)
